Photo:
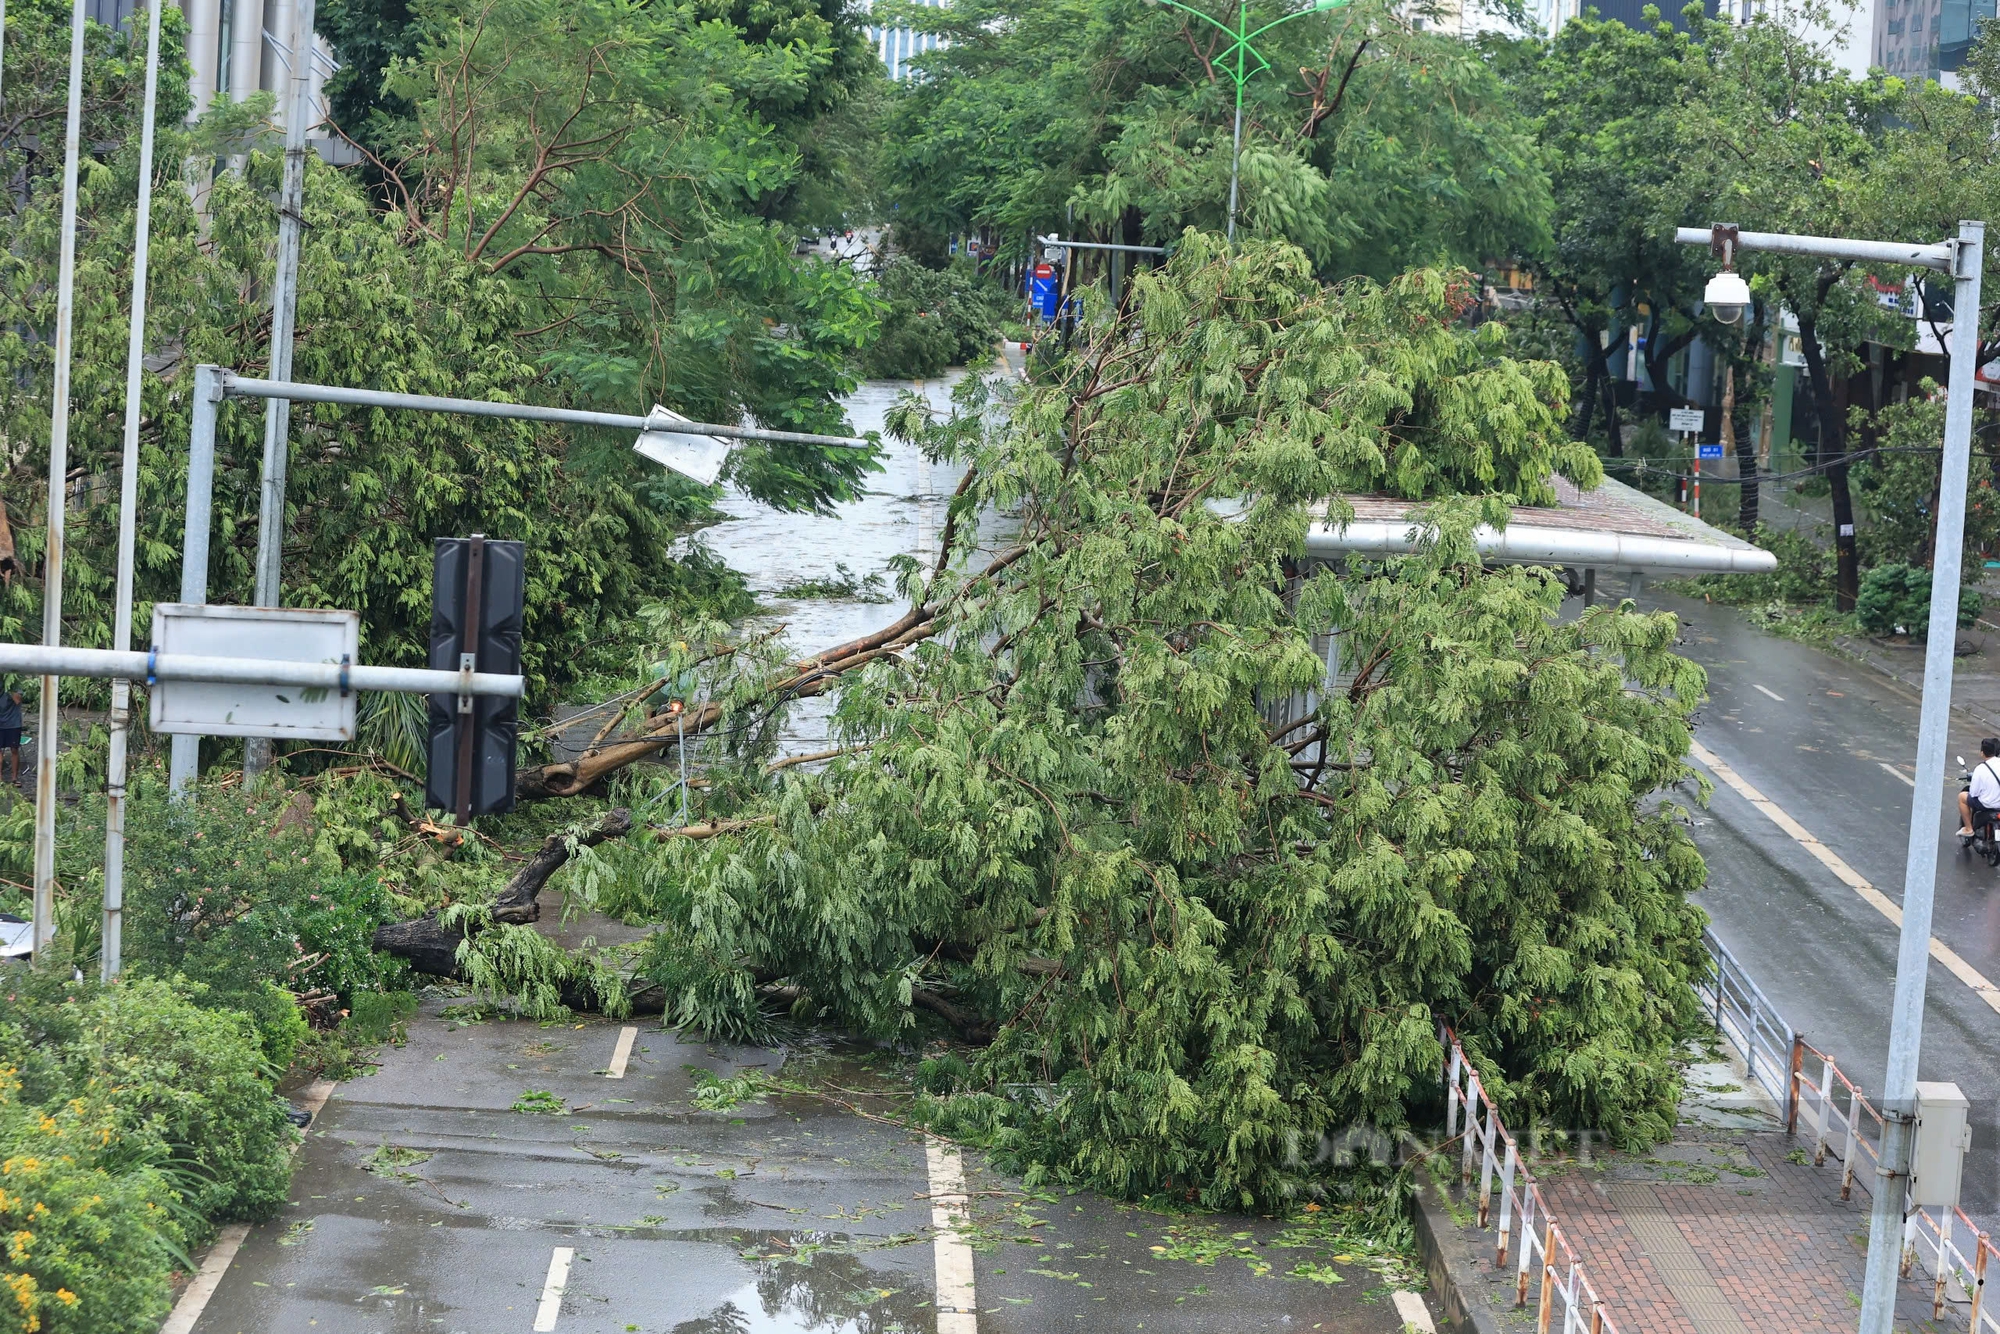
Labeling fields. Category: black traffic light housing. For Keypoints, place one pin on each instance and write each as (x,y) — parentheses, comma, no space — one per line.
(478,592)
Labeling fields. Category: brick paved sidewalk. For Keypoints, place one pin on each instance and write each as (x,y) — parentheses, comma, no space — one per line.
(1722,1231)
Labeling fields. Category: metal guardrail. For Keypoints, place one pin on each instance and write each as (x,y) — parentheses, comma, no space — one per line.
(1813,1091)
(1748,1021)
(1522,1208)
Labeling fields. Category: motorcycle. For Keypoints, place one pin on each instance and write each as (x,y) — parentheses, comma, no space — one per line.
(1982,839)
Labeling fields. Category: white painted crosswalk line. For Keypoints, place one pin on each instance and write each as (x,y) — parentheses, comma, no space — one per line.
(1898,772)
(957,1304)
(1767,690)
(552,1291)
(622,1053)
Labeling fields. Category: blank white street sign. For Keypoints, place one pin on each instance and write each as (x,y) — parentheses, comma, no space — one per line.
(698,456)
(281,634)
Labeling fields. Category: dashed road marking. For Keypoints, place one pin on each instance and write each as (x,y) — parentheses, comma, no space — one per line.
(1767,690)
(552,1290)
(957,1305)
(1954,963)
(1897,772)
(622,1053)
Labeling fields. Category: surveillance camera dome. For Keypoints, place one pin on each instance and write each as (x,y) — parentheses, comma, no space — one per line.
(1728,296)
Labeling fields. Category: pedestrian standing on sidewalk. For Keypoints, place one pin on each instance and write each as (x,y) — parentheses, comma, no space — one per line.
(10,733)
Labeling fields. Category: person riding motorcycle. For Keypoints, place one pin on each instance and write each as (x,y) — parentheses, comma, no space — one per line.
(1980,802)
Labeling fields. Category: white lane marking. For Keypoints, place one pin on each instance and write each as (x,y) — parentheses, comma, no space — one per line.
(957,1305)
(552,1291)
(195,1300)
(622,1053)
(1828,858)
(1772,693)
(1897,772)
(1411,1311)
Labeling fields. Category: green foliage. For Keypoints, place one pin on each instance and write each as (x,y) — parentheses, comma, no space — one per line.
(231,891)
(643,226)
(1202,942)
(1403,148)
(500,960)
(1896,600)
(936,318)
(192,1080)
(1900,485)
(1804,577)
(91,1232)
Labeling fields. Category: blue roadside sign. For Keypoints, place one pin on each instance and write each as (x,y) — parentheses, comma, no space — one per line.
(1042,290)
(1708,451)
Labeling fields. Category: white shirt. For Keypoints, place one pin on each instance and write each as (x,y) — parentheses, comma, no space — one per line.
(1985,785)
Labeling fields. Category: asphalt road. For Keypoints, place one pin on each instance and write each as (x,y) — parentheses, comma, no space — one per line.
(447,1192)
(1833,744)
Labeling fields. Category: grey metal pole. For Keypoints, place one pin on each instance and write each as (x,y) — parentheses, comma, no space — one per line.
(3,41)
(194,543)
(284,304)
(243,386)
(111,950)
(1906,1024)
(49,724)
(1235,161)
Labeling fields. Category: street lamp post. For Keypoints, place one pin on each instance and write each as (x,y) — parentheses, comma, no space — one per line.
(1962,258)
(1237,62)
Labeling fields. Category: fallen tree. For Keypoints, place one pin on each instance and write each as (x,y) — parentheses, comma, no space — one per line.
(1196,936)
(432,945)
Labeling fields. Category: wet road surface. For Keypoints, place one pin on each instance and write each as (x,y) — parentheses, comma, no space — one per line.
(493,1176)
(1833,744)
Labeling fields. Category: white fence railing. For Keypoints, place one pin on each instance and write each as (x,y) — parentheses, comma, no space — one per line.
(1841,1122)
(1749,1022)
(1564,1292)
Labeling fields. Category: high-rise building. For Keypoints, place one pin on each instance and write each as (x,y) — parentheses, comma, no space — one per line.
(237,48)
(897,45)
(1908,35)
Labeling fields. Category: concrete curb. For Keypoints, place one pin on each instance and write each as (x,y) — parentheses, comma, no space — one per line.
(1448,1263)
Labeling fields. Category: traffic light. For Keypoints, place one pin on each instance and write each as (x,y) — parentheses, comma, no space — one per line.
(477,593)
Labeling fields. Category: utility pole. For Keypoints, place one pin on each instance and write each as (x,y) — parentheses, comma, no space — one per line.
(50,722)
(1235,61)
(284,303)
(110,953)
(1963,257)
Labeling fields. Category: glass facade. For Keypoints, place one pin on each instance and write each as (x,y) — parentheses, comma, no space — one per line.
(897,45)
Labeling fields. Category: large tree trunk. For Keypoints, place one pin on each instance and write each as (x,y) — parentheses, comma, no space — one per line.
(433,948)
(1830,403)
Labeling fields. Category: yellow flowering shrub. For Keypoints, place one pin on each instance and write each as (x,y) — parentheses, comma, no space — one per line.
(87,1241)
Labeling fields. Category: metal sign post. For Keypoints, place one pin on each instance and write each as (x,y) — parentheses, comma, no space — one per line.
(213,384)
(48,735)
(1687,423)
(128,504)
(468,663)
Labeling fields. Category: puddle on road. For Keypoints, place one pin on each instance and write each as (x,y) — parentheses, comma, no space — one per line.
(828,1295)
